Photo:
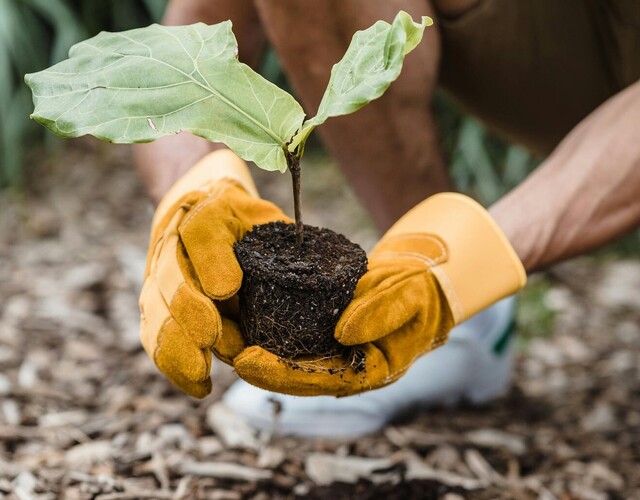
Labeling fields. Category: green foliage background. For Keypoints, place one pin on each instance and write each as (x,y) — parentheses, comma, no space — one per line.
(35,34)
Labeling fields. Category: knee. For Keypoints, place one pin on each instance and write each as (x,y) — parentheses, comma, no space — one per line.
(453,8)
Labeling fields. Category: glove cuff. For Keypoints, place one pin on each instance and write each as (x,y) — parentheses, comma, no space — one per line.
(218,165)
(481,266)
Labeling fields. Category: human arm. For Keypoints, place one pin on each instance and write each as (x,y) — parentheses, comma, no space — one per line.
(162,162)
(586,194)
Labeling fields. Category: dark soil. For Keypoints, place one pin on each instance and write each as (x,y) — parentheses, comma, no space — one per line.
(293,295)
(366,490)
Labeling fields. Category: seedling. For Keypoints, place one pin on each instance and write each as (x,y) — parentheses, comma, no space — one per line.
(139,85)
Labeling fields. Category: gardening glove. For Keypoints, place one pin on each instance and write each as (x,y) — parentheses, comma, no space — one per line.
(441,263)
(191,264)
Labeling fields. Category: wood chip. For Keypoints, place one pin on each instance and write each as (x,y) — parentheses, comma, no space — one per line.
(601,418)
(59,419)
(270,457)
(5,383)
(222,470)
(481,468)
(10,412)
(493,438)
(231,428)
(83,456)
(411,437)
(24,485)
(326,468)
(219,494)
(418,470)
(137,494)
(160,471)
(84,412)
(210,445)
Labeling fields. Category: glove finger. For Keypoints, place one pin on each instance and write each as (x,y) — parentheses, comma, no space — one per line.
(191,324)
(184,363)
(231,343)
(309,377)
(386,299)
(210,230)
(200,319)
(153,313)
(208,237)
(180,289)
(405,345)
(197,315)
(183,342)
(253,211)
(156,295)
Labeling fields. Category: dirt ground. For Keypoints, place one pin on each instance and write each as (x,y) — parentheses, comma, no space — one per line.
(85,414)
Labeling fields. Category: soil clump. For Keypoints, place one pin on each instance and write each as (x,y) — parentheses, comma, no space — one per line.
(293,295)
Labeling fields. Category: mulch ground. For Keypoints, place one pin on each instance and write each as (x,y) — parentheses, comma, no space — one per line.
(84,413)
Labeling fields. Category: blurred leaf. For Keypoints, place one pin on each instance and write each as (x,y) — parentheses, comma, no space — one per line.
(270,67)
(534,317)
(66,27)
(127,15)
(155,8)
(14,113)
(518,165)
(37,33)
(22,45)
(478,161)
(19,52)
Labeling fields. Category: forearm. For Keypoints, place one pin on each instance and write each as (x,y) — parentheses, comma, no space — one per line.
(162,162)
(586,194)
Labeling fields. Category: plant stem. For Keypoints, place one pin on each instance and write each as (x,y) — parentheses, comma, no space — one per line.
(293,162)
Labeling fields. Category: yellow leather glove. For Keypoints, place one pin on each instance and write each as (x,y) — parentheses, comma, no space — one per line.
(191,264)
(441,263)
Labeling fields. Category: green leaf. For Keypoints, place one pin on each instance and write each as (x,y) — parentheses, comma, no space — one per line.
(372,61)
(155,8)
(142,84)
(66,28)
(478,161)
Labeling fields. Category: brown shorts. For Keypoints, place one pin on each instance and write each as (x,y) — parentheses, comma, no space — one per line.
(532,69)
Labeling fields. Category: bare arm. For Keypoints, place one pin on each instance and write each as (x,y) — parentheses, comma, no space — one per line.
(162,162)
(586,194)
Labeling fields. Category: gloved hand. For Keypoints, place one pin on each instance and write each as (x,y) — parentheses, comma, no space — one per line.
(191,264)
(441,263)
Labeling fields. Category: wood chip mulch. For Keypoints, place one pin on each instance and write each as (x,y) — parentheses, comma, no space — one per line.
(84,414)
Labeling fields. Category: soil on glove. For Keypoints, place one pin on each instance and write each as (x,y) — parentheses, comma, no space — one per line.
(293,295)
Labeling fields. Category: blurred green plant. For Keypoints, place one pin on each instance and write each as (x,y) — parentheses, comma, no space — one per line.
(534,316)
(37,33)
(481,164)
